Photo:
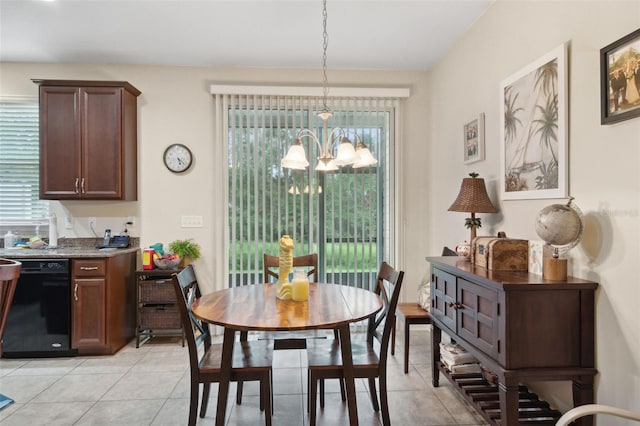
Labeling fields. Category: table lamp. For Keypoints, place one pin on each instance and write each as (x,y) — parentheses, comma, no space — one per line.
(473,199)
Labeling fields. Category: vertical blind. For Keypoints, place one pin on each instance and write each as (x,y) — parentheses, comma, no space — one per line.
(343,216)
(19,163)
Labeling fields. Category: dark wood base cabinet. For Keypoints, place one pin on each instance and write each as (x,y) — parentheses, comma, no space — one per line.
(521,328)
(102,304)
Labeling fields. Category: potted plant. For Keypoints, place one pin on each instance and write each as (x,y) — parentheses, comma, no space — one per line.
(186,249)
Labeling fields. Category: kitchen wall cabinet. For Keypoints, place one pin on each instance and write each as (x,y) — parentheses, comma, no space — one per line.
(88,140)
(102,304)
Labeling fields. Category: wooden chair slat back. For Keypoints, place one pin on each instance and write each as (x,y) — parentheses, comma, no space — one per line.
(308,260)
(197,332)
(388,285)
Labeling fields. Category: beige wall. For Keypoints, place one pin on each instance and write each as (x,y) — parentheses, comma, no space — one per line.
(176,106)
(603,162)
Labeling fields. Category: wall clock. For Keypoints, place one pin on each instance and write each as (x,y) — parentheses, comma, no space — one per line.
(177,158)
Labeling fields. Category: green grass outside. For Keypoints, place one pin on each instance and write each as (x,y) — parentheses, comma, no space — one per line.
(341,256)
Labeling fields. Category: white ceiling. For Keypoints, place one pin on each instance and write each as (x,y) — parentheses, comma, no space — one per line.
(370,34)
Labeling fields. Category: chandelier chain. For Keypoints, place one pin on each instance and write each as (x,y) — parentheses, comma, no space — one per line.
(325,44)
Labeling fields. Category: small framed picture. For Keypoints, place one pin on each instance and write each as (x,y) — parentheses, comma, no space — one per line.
(473,139)
(620,79)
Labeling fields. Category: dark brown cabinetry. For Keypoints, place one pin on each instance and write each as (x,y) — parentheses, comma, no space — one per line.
(102,304)
(89,304)
(157,309)
(88,140)
(521,328)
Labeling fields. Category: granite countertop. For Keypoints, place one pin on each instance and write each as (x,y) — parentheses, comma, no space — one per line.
(62,252)
(68,248)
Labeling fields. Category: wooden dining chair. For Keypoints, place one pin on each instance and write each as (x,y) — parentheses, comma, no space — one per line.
(251,360)
(9,274)
(369,356)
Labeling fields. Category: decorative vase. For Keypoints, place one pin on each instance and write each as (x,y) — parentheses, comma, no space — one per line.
(285,264)
(463,250)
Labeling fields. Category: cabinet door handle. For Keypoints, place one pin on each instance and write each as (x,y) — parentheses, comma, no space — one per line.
(77,180)
(75,292)
(455,305)
(88,268)
(82,185)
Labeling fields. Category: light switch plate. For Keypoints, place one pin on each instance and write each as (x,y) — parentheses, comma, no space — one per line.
(191,221)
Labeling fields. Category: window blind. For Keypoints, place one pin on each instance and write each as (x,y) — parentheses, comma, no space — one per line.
(345,216)
(19,163)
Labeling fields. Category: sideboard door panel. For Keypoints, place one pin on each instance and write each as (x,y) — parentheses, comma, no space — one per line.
(477,321)
(544,329)
(443,294)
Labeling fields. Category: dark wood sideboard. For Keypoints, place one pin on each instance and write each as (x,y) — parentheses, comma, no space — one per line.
(522,328)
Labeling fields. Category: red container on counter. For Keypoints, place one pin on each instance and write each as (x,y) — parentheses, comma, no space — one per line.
(147,259)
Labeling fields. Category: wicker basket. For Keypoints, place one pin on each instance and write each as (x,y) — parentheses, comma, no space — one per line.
(156,317)
(157,291)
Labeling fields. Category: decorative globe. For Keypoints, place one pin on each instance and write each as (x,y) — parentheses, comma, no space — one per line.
(560,225)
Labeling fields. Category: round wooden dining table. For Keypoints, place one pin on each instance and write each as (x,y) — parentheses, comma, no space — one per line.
(256,307)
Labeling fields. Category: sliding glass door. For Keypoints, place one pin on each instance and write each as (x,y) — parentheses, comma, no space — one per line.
(343,216)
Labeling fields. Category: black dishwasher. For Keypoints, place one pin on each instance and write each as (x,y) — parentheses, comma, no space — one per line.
(39,322)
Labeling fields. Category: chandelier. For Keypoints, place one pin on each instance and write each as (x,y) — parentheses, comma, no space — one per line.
(357,157)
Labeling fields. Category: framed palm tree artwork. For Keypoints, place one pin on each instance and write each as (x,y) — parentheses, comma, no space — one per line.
(533,127)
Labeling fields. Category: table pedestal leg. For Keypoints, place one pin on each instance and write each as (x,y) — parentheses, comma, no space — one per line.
(225,374)
(349,379)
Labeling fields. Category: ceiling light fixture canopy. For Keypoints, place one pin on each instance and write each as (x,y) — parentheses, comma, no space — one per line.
(358,157)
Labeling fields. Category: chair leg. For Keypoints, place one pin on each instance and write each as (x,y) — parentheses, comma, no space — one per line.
(308,390)
(193,403)
(244,336)
(406,346)
(384,402)
(205,399)
(343,392)
(322,393)
(239,392)
(393,337)
(313,397)
(266,397)
(374,396)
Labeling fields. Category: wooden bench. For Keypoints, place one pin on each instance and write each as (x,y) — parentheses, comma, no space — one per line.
(412,314)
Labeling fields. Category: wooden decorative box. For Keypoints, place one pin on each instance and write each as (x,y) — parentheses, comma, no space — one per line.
(500,253)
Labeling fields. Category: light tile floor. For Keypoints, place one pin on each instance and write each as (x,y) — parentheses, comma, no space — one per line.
(150,386)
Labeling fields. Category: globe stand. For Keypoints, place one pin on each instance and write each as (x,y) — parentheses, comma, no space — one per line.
(554,269)
(561,227)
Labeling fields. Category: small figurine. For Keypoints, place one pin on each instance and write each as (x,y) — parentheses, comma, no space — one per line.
(283,286)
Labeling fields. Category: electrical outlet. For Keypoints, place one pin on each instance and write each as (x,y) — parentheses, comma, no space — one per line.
(191,221)
(68,222)
(92,223)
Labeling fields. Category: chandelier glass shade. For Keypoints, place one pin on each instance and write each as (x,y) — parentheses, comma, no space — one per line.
(358,156)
